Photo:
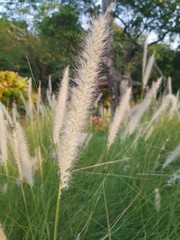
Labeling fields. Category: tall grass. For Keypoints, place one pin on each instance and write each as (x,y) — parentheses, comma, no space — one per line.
(125,184)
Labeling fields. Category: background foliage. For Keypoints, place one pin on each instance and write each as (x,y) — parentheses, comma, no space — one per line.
(41,37)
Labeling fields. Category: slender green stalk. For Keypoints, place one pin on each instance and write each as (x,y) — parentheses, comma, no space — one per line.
(107,213)
(24,199)
(6,169)
(57,212)
(31,71)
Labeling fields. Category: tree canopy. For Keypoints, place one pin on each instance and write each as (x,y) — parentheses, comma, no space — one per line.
(42,36)
(142,17)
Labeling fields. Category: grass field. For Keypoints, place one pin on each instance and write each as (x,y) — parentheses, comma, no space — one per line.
(120,193)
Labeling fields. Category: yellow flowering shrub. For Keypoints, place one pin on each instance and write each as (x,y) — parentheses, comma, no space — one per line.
(11,84)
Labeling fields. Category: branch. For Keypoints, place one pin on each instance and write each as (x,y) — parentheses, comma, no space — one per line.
(140,48)
(162,36)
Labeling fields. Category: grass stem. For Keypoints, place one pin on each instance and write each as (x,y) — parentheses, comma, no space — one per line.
(25,203)
(107,213)
(57,212)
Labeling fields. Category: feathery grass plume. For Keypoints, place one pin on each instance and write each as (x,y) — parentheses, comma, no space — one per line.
(25,104)
(3,189)
(23,100)
(6,114)
(157,199)
(134,109)
(49,91)
(148,70)
(30,102)
(174,102)
(26,165)
(39,160)
(119,116)
(144,57)
(167,100)
(3,139)
(38,98)
(98,99)
(16,155)
(82,95)
(61,107)
(50,85)
(149,132)
(177,97)
(178,104)
(169,85)
(87,139)
(49,98)
(15,114)
(163,107)
(143,107)
(53,102)
(175,176)
(174,154)
(2,234)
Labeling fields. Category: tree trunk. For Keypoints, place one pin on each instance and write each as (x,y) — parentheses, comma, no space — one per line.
(114,75)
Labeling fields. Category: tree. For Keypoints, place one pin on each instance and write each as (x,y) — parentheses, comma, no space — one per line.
(176,71)
(47,50)
(142,17)
(61,33)
(138,19)
(12,37)
(113,75)
(168,61)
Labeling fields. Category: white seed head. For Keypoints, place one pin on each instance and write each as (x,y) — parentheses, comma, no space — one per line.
(148,70)
(61,107)
(82,96)
(142,108)
(119,116)
(157,199)
(2,234)
(26,165)
(173,155)
(3,139)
